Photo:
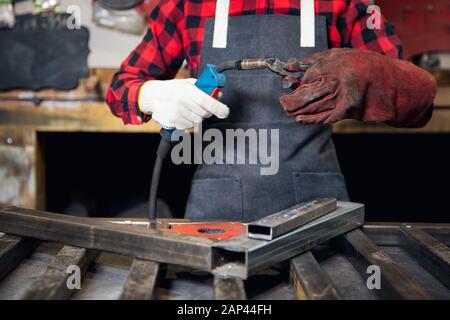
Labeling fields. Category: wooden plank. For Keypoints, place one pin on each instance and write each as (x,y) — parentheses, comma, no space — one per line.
(52,285)
(362,252)
(310,282)
(432,254)
(229,288)
(13,250)
(141,281)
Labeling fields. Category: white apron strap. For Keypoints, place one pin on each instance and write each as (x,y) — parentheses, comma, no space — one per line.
(221,24)
(307,24)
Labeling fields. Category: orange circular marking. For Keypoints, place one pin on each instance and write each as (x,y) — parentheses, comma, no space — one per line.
(212,230)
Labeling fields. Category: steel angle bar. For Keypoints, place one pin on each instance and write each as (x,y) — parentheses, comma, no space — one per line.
(52,284)
(141,281)
(395,283)
(383,235)
(389,234)
(432,254)
(229,288)
(127,240)
(248,256)
(309,280)
(13,250)
(277,224)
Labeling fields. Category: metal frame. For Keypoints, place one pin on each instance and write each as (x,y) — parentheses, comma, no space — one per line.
(230,261)
(248,256)
(310,281)
(238,257)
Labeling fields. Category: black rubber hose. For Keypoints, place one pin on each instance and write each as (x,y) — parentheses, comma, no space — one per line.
(163,150)
(229,65)
(154,190)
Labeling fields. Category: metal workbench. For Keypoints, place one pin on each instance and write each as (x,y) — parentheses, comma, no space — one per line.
(414,261)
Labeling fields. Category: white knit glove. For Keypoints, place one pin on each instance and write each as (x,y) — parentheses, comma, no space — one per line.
(178,103)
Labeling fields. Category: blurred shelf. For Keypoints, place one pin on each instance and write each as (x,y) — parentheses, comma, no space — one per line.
(83,110)
(67,117)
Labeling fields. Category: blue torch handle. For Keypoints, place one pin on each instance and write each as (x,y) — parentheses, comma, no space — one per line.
(210,82)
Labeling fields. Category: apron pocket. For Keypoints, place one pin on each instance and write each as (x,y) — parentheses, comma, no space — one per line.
(215,199)
(312,185)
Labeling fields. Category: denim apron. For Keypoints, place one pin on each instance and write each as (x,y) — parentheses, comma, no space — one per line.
(308,166)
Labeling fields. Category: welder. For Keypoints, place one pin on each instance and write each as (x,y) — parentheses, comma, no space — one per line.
(354,72)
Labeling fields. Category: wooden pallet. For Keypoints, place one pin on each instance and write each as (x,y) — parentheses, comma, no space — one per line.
(425,244)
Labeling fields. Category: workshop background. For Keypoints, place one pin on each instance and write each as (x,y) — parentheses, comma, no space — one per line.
(61,148)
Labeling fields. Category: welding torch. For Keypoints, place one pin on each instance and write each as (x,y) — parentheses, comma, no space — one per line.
(212,81)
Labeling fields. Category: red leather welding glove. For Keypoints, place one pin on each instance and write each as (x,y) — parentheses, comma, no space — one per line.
(362,85)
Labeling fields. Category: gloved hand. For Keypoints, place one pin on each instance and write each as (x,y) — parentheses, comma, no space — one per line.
(361,85)
(178,103)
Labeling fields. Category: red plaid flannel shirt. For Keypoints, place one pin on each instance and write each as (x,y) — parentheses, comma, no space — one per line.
(175,33)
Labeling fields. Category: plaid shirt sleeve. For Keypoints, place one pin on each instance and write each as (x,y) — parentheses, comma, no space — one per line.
(159,56)
(176,28)
(357,30)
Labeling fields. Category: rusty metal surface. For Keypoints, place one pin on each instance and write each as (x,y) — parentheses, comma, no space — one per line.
(389,234)
(432,254)
(309,280)
(107,276)
(13,250)
(237,259)
(52,284)
(362,252)
(229,288)
(141,281)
